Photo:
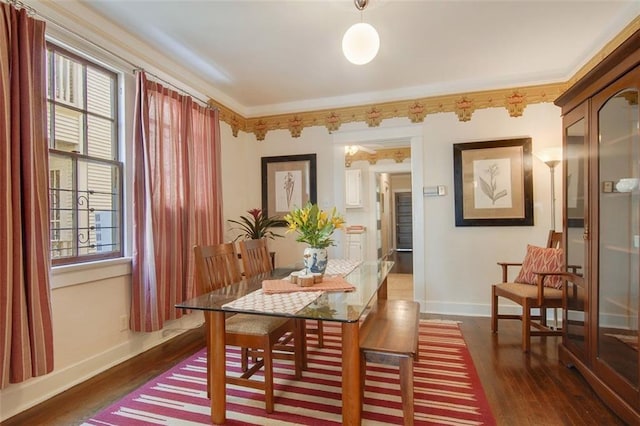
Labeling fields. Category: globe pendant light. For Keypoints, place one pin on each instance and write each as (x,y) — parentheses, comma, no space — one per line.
(361,42)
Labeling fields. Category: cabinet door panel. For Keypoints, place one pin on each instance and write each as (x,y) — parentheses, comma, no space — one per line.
(575,190)
(353,188)
(618,225)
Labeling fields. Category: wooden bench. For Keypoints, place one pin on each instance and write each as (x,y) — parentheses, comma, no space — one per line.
(389,335)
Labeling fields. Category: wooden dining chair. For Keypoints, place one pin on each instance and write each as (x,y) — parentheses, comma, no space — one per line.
(255,257)
(531,290)
(217,266)
(256,260)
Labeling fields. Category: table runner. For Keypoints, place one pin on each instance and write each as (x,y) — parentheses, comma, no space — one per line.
(282,303)
(336,283)
(293,301)
(341,266)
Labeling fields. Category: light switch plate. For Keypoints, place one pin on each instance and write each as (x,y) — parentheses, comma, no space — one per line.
(434,191)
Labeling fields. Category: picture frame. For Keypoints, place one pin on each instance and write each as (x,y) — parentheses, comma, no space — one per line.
(288,182)
(493,183)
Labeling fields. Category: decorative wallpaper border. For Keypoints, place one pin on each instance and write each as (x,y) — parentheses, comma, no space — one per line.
(396,154)
(514,100)
(463,105)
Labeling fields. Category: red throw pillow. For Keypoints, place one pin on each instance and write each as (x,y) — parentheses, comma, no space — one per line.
(539,259)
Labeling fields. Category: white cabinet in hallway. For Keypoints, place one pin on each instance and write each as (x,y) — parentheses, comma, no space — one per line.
(356,243)
(353,188)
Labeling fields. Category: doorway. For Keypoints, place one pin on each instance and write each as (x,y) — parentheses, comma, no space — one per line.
(404,221)
(402,255)
(392,136)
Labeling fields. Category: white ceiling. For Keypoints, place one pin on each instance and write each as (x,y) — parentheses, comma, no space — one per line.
(280,56)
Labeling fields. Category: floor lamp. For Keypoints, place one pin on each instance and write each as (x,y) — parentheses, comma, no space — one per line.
(551,157)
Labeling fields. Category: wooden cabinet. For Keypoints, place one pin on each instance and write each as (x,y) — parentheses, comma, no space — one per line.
(353,188)
(602,228)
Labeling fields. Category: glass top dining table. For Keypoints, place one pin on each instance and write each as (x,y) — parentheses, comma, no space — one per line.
(369,280)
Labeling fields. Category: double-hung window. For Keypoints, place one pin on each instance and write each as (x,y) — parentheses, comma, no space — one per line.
(85,171)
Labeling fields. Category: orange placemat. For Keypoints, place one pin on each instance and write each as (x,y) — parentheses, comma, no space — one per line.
(336,283)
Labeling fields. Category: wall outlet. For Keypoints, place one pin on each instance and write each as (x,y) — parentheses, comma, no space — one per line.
(124,322)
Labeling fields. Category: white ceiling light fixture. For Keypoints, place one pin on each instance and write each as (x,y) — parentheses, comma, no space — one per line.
(351,149)
(360,44)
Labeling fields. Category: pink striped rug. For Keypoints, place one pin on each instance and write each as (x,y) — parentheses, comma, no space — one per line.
(447,389)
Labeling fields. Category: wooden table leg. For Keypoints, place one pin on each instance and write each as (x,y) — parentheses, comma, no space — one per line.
(302,326)
(382,291)
(351,386)
(217,366)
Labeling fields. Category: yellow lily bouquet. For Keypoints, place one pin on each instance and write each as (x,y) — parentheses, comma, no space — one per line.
(314,225)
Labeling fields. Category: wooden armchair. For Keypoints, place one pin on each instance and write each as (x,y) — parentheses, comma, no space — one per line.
(217,266)
(538,294)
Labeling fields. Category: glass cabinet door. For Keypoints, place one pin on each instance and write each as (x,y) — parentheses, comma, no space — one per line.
(575,166)
(619,232)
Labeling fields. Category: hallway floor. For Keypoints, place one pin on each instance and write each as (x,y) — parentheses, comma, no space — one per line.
(403,262)
(400,279)
(400,286)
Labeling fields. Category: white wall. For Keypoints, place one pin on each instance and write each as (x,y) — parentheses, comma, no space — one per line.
(460,262)
(245,180)
(88,304)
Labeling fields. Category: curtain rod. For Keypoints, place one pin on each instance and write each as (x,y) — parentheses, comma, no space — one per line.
(31,12)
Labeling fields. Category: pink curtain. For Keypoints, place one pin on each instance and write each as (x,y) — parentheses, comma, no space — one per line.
(177,199)
(26,338)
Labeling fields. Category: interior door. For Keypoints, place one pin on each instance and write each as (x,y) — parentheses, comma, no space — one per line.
(404,218)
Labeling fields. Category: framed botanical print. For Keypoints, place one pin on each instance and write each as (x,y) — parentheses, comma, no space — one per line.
(288,182)
(493,183)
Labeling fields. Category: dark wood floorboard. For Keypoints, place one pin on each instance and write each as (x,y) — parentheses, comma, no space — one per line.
(403,262)
(534,389)
(522,389)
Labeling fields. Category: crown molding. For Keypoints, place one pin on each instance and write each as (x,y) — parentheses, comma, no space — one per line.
(623,35)
(514,100)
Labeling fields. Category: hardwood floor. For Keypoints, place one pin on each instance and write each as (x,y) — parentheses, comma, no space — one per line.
(534,389)
(522,389)
(400,286)
(82,401)
(403,262)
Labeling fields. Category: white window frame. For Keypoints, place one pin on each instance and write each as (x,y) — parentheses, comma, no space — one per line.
(75,98)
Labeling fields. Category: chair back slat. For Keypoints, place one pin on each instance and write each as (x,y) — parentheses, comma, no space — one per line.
(255,257)
(217,267)
(554,240)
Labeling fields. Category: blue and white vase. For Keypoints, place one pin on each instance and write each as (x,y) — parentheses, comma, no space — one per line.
(315,259)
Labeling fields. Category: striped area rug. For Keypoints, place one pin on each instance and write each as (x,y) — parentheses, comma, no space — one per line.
(447,389)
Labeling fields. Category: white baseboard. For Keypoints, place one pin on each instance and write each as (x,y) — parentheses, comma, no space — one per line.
(473,309)
(22,396)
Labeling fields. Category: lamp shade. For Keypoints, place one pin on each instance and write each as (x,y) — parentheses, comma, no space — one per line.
(360,43)
(547,155)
